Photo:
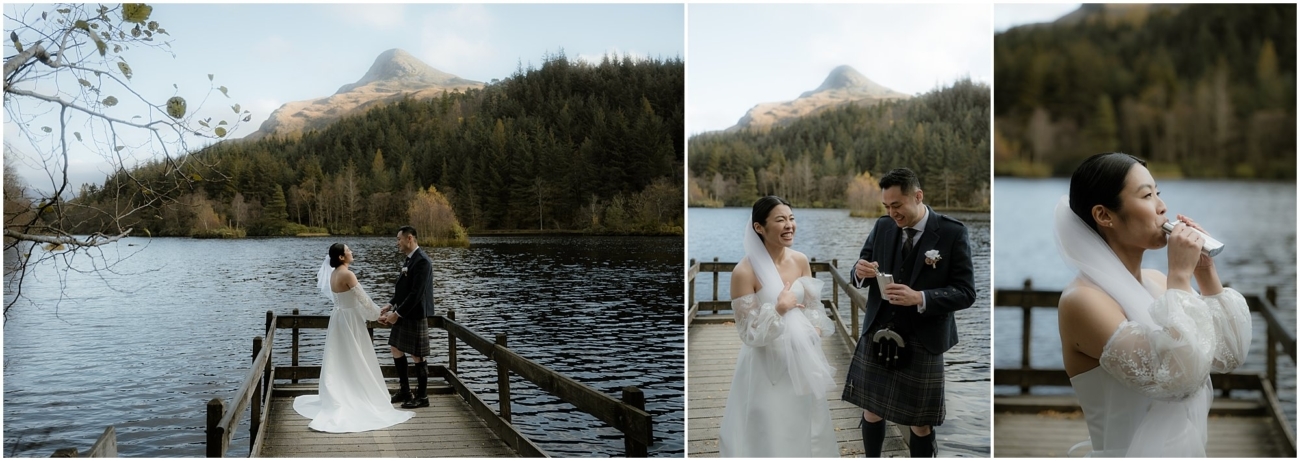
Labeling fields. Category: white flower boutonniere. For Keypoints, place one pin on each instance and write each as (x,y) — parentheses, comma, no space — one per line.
(403,270)
(932,258)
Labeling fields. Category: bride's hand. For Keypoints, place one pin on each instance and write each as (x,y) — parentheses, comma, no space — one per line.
(1205,262)
(786,300)
(1184,254)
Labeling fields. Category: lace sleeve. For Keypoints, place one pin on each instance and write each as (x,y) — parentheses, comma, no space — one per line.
(365,305)
(757,323)
(1172,361)
(813,309)
(1233,324)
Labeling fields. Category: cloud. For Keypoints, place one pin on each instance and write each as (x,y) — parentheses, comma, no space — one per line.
(378,16)
(612,51)
(455,40)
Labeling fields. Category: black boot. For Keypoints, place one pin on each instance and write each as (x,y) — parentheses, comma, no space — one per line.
(421,399)
(923,447)
(873,437)
(405,393)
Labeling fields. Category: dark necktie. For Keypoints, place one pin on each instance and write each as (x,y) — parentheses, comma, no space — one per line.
(907,241)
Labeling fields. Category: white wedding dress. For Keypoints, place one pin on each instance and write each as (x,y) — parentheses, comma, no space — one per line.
(353,396)
(1162,374)
(777,404)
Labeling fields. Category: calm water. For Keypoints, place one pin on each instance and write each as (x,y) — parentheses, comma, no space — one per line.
(146,348)
(832,234)
(1255,220)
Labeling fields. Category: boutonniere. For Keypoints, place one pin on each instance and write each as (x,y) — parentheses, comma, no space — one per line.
(403,270)
(932,258)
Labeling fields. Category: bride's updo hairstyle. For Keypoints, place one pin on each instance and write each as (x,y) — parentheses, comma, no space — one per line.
(763,207)
(1099,181)
(336,254)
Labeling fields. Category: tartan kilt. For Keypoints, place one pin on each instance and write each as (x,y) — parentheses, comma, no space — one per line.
(911,396)
(410,337)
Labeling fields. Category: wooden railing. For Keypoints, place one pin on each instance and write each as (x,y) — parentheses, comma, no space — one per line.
(104,447)
(839,284)
(628,415)
(1277,337)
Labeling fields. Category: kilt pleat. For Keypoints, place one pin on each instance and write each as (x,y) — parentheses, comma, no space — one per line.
(911,396)
(410,337)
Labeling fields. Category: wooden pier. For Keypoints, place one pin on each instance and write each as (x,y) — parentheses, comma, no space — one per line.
(457,423)
(1027,425)
(714,344)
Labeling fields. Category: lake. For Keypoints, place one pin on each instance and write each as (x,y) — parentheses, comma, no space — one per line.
(1256,221)
(827,234)
(144,347)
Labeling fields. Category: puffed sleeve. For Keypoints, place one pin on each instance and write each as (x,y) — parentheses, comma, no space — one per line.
(758,324)
(1194,336)
(369,311)
(812,301)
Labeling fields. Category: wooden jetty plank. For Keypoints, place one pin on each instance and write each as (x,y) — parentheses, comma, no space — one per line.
(711,363)
(1051,434)
(447,428)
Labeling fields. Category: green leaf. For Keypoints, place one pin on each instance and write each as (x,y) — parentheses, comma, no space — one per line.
(110,101)
(47,129)
(135,32)
(223,122)
(223,91)
(153,25)
(119,149)
(176,107)
(43,15)
(162,31)
(64,10)
(209,77)
(204,123)
(101,46)
(125,68)
(84,82)
(117,48)
(77,134)
(82,24)
(195,177)
(248,118)
(94,25)
(221,132)
(136,12)
(236,108)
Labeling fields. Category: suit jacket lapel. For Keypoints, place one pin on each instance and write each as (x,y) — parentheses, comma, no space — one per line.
(929,240)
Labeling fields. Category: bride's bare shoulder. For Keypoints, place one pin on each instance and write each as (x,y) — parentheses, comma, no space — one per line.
(1156,277)
(1081,297)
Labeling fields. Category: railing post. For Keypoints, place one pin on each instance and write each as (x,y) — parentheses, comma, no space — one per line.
(1026,335)
(1270,340)
(835,294)
(634,397)
(503,379)
(253,419)
(451,342)
(216,435)
(715,284)
(811,264)
(295,345)
(691,302)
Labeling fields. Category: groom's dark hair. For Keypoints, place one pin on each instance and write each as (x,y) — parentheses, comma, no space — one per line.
(336,254)
(408,230)
(1098,181)
(904,178)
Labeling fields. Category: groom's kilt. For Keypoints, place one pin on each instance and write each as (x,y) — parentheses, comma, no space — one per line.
(411,337)
(911,396)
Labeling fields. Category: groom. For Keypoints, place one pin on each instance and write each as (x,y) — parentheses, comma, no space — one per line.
(412,302)
(928,255)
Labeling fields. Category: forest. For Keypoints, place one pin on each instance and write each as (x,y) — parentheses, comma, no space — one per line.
(570,146)
(1198,90)
(943,135)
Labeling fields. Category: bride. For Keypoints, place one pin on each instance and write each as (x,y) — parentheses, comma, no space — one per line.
(777,403)
(1139,345)
(352,394)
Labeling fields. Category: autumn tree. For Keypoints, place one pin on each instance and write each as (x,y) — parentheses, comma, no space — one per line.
(68,89)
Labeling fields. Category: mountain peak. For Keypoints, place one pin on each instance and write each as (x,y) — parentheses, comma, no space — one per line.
(845,77)
(396,65)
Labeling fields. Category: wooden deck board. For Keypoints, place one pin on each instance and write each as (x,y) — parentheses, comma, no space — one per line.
(1051,434)
(710,365)
(446,428)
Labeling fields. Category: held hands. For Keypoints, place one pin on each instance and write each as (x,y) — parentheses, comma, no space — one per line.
(902,295)
(866,269)
(1184,255)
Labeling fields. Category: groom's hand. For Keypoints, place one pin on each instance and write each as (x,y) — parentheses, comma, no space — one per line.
(901,295)
(866,269)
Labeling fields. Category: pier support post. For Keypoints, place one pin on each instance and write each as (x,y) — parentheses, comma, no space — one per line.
(295,345)
(503,379)
(254,421)
(451,340)
(1026,335)
(636,398)
(715,285)
(215,434)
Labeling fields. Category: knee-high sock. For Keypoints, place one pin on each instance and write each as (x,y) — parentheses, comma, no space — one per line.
(873,437)
(922,447)
(402,374)
(422,378)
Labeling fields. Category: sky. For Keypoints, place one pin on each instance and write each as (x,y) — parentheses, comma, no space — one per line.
(268,55)
(1008,15)
(742,55)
